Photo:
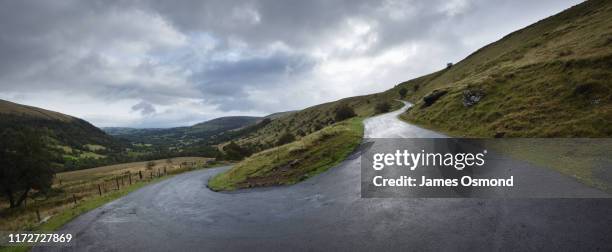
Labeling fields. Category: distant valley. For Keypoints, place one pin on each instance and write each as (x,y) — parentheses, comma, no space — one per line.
(78,144)
(181,136)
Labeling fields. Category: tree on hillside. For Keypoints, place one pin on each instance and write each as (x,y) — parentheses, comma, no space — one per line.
(383,107)
(285,138)
(402,92)
(233,151)
(344,112)
(25,164)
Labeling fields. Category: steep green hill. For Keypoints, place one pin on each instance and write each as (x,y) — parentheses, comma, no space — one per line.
(11,108)
(67,131)
(550,79)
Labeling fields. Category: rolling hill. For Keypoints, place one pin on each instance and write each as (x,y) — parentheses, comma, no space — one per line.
(183,136)
(312,119)
(550,79)
(65,130)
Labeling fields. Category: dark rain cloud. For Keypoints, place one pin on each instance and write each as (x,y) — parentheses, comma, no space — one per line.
(223,81)
(144,108)
(235,56)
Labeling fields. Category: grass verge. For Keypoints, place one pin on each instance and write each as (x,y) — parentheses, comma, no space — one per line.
(296,161)
(582,159)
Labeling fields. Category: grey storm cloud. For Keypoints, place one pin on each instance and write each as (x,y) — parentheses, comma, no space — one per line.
(302,24)
(144,108)
(227,80)
(190,60)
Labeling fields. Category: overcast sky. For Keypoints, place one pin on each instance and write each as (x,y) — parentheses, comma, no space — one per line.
(164,63)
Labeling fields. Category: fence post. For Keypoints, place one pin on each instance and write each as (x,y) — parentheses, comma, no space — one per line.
(117,182)
(130,177)
(74,199)
(165,171)
(99,190)
(122,184)
(140,174)
(151,175)
(38,215)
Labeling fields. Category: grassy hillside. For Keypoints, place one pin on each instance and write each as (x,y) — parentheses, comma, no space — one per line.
(224,123)
(312,119)
(11,108)
(321,141)
(279,114)
(69,133)
(296,161)
(550,79)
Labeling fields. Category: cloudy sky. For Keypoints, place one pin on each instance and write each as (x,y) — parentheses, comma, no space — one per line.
(156,63)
